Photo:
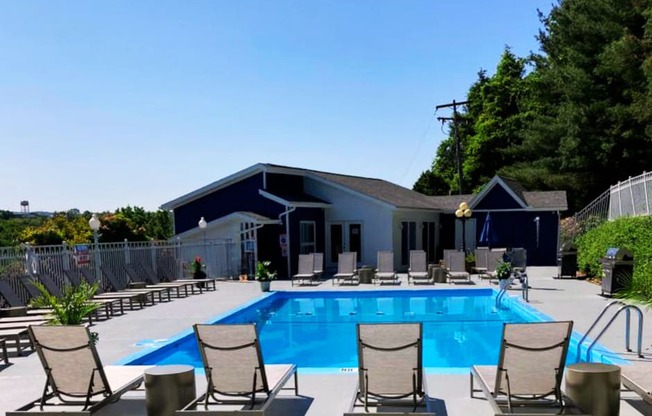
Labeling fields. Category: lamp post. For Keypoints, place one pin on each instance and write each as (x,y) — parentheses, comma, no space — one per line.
(95,224)
(463,212)
(202,226)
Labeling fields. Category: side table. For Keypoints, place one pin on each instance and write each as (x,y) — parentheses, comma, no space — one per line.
(594,388)
(168,388)
(366,274)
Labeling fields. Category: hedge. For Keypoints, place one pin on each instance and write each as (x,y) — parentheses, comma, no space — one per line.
(632,233)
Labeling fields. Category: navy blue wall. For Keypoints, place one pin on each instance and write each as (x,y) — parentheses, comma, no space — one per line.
(284,184)
(518,229)
(498,198)
(241,196)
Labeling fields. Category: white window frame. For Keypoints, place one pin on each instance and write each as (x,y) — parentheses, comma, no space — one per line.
(307,247)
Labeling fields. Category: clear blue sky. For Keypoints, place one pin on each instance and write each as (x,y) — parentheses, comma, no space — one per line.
(105,104)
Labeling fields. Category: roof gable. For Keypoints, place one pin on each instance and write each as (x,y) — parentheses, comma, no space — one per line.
(500,193)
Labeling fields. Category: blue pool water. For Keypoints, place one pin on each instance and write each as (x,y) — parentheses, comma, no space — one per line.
(318,329)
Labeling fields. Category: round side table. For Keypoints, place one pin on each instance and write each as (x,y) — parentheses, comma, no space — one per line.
(168,388)
(594,388)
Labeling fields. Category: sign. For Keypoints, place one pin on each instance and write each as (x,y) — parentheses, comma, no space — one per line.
(283,242)
(81,254)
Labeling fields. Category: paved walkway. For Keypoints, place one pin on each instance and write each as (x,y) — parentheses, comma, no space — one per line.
(321,395)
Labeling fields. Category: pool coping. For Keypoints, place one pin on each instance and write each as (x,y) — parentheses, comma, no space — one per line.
(599,353)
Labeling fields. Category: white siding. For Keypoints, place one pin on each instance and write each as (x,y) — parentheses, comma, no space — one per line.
(347,207)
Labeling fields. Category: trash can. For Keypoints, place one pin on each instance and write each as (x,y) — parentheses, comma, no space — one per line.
(168,388)
(617,269)
(594,388)
(567,261)
(366,274)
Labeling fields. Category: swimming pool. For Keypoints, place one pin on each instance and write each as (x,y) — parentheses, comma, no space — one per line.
(316,330)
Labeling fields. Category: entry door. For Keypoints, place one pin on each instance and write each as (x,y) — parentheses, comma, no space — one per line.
(344,236)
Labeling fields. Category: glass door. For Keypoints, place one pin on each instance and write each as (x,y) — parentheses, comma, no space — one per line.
(342,237)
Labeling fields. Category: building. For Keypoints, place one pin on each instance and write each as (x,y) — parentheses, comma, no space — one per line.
(277,212)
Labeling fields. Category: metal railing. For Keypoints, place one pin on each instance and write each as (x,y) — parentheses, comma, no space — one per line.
(166,258)
(623,307)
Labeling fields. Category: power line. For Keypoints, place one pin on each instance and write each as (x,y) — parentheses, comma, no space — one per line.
(458,147)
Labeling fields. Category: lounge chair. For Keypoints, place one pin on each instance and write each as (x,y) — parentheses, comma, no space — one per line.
(390,369)
(305,272)
(151,281)
(207,283)
(385,271)
(148,293)
(140,298)
(14,300)
(16,335)
(418,271)
(637,377)
(494,258)
(238,379)
(76,378)
(530,368)
(318,269)
(346,268)
(456,266)
(481,261)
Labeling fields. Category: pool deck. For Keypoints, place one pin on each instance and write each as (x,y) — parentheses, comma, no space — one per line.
(323,394)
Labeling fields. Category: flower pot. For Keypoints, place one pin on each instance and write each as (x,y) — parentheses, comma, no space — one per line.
(264,286)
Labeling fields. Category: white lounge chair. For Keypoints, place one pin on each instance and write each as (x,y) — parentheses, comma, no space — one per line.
(346,268)
(305,272)
(239,382)
(390,370)
(530,368)
(385,271)
(418,271)
(76,383)
(456,266)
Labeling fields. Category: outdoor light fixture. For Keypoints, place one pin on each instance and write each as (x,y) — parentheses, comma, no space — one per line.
(202,223)
(94,223)
(463,212)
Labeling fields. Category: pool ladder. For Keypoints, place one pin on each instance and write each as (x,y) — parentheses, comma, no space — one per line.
(623,307)
(522,276)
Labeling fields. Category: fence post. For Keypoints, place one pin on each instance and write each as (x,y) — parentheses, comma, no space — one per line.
(126,251)
(647,202)
(620,201)
(66,256)
(631,194)
(152,249)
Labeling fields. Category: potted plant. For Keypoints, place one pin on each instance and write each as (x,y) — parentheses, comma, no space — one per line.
(197,269)
(503,273)
(264,275)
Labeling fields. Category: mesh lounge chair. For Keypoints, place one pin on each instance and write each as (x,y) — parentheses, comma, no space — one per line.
(145,275)
(637,377)
(418,271)
(530,367)
(390,368)
(76,378)
(385,271)
(319,265)
(306,269)
(346,268)
(121,296)
(494,257)
(236,374)
(456,266)
(481,261)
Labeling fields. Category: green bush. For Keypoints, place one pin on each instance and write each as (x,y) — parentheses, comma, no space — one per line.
(631,233)
(72,307)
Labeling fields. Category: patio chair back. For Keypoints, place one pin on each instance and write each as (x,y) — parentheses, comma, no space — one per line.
(386,262)
(456,261)
(494,257)
(532,358)
(319,263)
(112,278)
(306,264)
(481,258)
(418,261)
(389,360)
(49,284)
(70,361)
(134,273)
(346,263)
(72,277)
(232,358)
(519,258)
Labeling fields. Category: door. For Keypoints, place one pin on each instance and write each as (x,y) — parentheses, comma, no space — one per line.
(342,237)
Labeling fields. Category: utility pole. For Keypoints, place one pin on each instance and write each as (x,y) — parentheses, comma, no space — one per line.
(458,147)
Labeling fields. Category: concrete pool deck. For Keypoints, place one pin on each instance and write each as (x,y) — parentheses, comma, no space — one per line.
(323,394)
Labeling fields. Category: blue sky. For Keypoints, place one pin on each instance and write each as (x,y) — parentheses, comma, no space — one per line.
(105,104)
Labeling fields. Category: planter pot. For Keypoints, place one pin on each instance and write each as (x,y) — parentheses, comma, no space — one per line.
(264,286)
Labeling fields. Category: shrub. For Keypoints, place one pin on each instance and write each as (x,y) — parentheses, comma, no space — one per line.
(631,233)
(72,307)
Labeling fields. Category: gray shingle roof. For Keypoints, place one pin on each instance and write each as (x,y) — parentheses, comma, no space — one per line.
(547,199)
(449,202)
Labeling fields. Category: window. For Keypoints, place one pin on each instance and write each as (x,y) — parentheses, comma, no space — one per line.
(306,237)
(408,240)
(428,239)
